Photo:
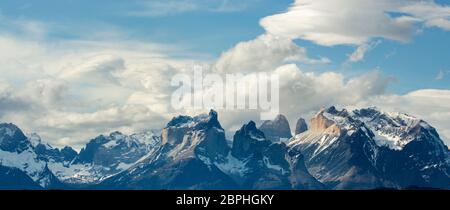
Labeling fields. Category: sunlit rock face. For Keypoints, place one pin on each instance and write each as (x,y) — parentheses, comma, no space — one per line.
(367,148)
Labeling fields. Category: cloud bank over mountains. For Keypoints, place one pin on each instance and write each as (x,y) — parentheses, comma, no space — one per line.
(70,90)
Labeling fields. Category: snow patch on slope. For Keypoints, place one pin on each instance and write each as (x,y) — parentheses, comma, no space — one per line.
(232,166)
(390,128)
(25,161)
(274,167)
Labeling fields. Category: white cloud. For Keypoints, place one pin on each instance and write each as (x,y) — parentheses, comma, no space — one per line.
(360,52)
(302,93)
(9,102)
(341,22)
(356,22)
(71,91)
(265,53)
(433,15)
(98,69)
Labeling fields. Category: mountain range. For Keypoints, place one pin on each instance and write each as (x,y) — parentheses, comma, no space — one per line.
(337,149)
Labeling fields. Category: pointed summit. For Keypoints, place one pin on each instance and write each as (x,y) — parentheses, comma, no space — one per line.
(12,138)
(301,126)
(319,123)
(250,126)
(248,141)
(277,129)
(213,114)
(207,121)
(174,131)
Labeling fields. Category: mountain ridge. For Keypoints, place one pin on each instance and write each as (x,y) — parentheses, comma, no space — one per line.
(339,149)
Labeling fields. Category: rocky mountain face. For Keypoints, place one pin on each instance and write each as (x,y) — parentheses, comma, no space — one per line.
(104,156)
(277,129)
(47,153)
(301,126)
(358,149)
(15,179)
(195,155)
(267,163)
(367,148)
(188,158)
(50,167)
(21,164)
(264,162)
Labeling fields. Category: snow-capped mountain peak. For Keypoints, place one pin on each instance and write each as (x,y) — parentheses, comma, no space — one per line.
(342,149)
(393,129)
(16,151)
(36,140)
(12,138)
(106,155)
(183,121)
(199,135)
(368,144)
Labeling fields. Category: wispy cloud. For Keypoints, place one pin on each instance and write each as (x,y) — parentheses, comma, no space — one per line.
(24,27)
(441,75)
(360,52)
(390,54)
(158,8)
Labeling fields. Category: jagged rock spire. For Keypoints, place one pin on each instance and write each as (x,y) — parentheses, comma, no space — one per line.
(276,129)
(301,126)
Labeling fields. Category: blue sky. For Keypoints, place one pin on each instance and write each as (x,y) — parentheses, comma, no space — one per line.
(72,69)
(205,31)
